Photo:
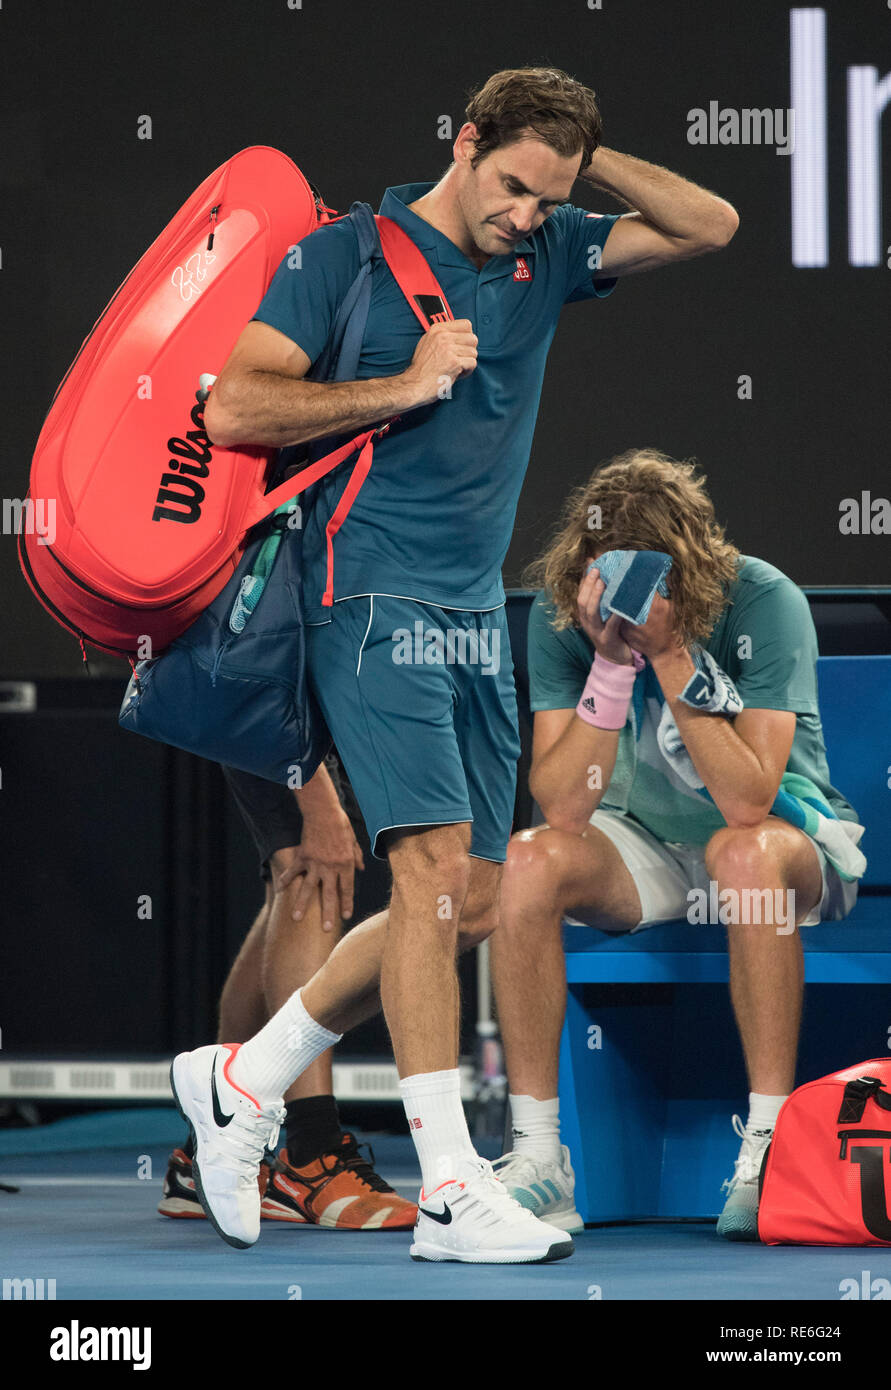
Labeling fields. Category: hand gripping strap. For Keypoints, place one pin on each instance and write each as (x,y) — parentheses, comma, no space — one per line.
(427,301)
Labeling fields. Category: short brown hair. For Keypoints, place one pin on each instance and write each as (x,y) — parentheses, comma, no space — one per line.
(561,111)
(643,500)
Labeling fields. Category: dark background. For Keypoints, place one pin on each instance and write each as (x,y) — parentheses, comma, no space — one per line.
(354,92)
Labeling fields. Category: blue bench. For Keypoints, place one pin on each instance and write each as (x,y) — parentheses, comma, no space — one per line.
(651,1070)
(645,1102)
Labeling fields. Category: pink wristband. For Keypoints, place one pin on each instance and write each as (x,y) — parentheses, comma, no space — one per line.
(607,693)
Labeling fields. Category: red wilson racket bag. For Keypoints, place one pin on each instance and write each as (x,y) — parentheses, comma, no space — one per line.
(233,687)
(826,1178)
(149,517)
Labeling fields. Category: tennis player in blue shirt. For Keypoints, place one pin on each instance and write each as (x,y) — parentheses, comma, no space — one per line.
(411,662)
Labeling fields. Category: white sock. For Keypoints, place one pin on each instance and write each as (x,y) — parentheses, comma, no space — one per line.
(272,1059)
(438,1125)
(763,1111)
(535,1126)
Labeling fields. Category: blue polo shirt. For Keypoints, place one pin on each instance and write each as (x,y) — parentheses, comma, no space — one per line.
(433,519)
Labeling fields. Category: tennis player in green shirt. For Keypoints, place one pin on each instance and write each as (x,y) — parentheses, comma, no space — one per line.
(629,841)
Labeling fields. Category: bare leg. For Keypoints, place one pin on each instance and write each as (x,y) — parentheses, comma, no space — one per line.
(549,872)
(277,957)
(767,967)
(346,990)
(419,982)
(242,1006)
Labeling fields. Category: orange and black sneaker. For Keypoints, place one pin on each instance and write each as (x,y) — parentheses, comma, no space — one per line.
(179,1198)
(340,1190)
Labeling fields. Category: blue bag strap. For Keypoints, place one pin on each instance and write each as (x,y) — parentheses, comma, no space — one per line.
(340,357)
(339,361)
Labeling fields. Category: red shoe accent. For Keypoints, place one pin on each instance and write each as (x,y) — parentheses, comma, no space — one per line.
(233,1049)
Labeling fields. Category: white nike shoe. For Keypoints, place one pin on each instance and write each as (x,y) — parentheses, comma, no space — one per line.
(473,1218)
(231,1132)
(545,1186)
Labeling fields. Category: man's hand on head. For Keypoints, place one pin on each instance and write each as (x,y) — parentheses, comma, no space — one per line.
(606,636)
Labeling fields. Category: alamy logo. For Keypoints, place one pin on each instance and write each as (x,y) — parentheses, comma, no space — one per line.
(746,906)
(865,515)
(179,495)
(76,1343)
(33,515)
(433,647)
(29,1289)
(727,125)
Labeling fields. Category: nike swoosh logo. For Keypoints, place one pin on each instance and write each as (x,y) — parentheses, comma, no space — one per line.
(221,1119)
(444,1217)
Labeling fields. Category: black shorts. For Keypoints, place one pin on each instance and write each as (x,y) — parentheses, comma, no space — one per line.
(271,813)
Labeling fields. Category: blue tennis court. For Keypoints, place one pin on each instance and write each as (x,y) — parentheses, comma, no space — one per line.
(84,1218)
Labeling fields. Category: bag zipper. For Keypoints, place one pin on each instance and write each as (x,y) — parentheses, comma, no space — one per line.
(62,619)
(846,1134)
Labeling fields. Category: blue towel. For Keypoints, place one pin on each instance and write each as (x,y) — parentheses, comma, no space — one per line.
(632,579)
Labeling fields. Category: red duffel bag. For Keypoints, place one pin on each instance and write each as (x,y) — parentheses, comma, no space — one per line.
(149,521)
(826,1178)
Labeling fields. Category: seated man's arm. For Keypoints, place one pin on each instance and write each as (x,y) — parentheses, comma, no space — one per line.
(741,760)
(572,758)
(572,763)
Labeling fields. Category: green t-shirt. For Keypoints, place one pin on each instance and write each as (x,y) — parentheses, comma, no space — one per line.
(764,640)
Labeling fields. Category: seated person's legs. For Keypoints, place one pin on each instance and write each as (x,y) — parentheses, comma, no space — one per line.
(616,877)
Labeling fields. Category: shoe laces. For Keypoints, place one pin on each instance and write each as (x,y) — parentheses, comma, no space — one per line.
(483,1190)
(747,1167)
(517,1168)
(351,1158)
(253,1131)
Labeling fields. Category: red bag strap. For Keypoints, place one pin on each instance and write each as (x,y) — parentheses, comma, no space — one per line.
(412,273)
(264,506)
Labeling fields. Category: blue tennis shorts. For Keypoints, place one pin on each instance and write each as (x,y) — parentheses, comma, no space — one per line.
(421,704)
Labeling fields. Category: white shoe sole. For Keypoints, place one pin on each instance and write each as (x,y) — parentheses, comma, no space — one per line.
(178,1207)
(560,1250)
(567,1220)
(183,1094)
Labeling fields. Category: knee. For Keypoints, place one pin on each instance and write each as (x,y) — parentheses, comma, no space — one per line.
(433,864)
(282,879)
(479,919)
(739,855)
(536,868)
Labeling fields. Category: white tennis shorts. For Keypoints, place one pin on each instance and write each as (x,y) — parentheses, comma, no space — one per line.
(665,873)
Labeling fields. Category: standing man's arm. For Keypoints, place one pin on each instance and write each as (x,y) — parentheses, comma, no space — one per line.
(672,218)
(261,397)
